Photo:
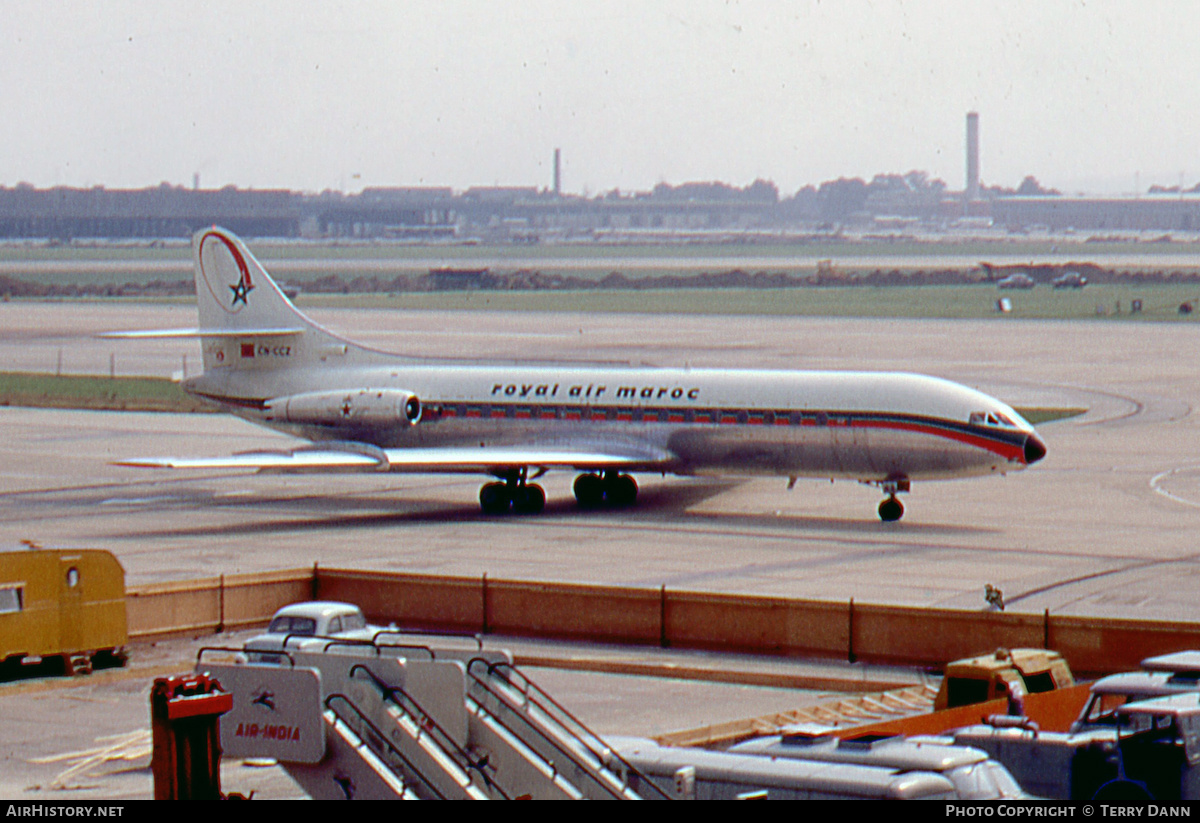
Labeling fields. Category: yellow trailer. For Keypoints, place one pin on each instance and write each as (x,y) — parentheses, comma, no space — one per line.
(67,603)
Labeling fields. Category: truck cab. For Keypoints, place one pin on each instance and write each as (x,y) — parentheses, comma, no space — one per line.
(1158,746)
(1010,673)
(1161,676)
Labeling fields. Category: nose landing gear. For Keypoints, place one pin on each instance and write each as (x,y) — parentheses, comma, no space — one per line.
(891,509)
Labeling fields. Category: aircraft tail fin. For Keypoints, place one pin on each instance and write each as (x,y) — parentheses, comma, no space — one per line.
(246,321)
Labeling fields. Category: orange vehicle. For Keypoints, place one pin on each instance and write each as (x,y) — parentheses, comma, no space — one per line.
(1011,673)
(62,603)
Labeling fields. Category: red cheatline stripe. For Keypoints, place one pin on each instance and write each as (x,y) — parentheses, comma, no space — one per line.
(1002,448)
(1005,447)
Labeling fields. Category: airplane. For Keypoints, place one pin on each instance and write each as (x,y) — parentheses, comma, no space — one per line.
(369,411)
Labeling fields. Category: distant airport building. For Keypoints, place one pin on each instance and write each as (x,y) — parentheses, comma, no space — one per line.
(165,211)
(892,204)
(1166,212)
(423,213)
(525,214)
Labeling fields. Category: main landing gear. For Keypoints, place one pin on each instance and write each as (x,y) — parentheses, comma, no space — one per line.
(514,494)
(891,510)
(612,489)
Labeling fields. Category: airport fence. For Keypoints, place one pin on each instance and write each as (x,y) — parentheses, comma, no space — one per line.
(644,616)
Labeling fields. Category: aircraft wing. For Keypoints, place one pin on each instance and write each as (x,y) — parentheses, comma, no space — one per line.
(442,460)
(496,459)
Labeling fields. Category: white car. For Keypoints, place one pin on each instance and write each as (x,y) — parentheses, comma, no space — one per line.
(311,624)
(1017,281)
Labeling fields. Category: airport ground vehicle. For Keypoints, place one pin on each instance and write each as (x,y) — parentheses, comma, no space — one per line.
(67,604)
(1150,751)
(1137,737)
(697,774)
(1158,750)
(1010,673)
(974,775)
(300,624)
(1161,676)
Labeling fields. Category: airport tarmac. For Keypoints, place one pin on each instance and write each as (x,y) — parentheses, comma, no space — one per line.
(1103,526)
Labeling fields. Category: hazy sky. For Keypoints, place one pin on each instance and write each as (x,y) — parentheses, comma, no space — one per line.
(1095,96)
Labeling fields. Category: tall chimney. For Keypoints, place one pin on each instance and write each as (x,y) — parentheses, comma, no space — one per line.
(972,191)
(558,172)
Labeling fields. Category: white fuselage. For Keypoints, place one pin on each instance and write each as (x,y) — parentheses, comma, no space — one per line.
(873,427)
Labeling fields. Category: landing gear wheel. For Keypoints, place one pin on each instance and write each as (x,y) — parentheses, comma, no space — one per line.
(76,664)
(494,498)
(589,491)
(891,510)
(616,490)
(620,490)
(529,499)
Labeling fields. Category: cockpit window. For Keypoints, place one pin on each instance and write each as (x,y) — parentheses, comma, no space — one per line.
(992,419)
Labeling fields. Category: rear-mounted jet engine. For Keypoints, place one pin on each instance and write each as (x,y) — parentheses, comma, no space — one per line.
(355,407)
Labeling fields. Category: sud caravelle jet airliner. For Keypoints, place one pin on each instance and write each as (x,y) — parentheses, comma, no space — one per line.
(364,410)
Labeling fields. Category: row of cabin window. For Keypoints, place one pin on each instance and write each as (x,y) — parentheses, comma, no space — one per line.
(781,418)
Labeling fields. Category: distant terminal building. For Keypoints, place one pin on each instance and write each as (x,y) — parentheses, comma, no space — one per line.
(1160,212)
(519,213)
(423,213)
(164,211)
(174,211)
(891,203)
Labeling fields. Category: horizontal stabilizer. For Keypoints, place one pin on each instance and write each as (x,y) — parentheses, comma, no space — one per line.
(167,333)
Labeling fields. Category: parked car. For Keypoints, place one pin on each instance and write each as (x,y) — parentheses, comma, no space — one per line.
(308,624)
(1070,280)
(1017,281)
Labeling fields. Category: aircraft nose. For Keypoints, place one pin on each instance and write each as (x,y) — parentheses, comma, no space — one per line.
(1035,449)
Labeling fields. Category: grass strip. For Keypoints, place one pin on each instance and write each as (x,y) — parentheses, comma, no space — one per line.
(96,393)
(1040,415)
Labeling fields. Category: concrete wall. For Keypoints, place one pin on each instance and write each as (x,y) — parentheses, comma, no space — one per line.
(658,617)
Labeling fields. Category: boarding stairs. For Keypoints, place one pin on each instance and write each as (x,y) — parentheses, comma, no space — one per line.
(499,692)
(380,720)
